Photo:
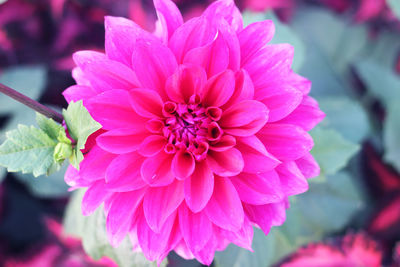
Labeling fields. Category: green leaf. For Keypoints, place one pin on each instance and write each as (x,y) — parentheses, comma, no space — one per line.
(332,45)
(391,134)
(381,82)
(339,41)
(94,238)
(80,126)
(49,126)
(27,149)
(52,186)
(28,80)
(331,150)
(395,7)
(346,116)
(283,34)
(263,255)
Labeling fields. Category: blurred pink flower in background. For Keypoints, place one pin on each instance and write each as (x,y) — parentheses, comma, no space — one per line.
(57,250)
(206,131)
(353,250)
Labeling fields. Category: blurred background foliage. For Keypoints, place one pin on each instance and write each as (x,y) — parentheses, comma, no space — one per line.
(349,49)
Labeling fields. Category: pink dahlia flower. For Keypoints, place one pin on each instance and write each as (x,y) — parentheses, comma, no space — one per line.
(205,131)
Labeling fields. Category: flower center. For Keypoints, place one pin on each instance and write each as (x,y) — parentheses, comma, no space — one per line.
(191,127)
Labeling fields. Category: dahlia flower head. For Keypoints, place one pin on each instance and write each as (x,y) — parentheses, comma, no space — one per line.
(204,131)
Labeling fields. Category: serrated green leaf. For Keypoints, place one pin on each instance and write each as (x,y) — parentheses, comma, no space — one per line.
(391,134)
(28,80)
(94,238)
(80,126)
(395,7)
(331,150)
(344,115)
(283,34)
(28,150)
(50,127)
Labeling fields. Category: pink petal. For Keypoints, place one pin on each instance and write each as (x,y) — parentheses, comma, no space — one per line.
(153,244)
(226,142)
(206,254)
(306,115)
(103,73)
(256,158)
(232,40)
(258,189)
(185,82)
(213,57)
(73,179)
(199,187)
(266,216)
(299,82)
(146,103)
(152,145)
(196,228)
(285,141)
(281,100)
(245,118)
(121,36)
(153,63)
(94,165)
(226,163)
(79,77)
(242,238)
(225,208)
(308,166)
(182,250)
(121,141)
(218,89)
(123,174)
(254,37)
(112,110)
(78,92)
(161,202)
(194,33)
(183,164)
(244,89)
(94,196)
(121,213)
(169,16)
(227,10)
(270,66)
(292,180)
(156,171)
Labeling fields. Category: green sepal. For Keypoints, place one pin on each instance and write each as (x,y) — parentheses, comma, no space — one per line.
(80,126)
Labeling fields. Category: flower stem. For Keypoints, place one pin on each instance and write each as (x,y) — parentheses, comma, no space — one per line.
(29,102)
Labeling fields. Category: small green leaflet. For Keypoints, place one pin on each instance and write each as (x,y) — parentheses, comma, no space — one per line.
(28,150)
(80,126)
(92,230)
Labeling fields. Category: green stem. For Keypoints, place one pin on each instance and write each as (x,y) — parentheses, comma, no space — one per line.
(29,102)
